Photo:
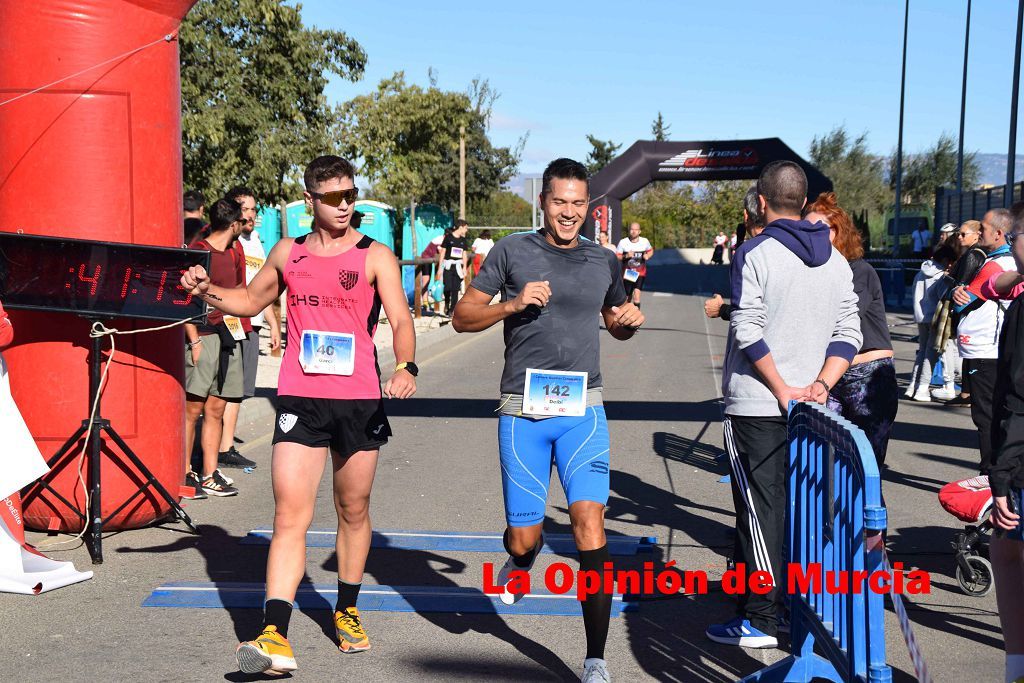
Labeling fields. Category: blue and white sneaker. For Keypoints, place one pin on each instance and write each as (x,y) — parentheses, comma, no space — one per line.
(740,632)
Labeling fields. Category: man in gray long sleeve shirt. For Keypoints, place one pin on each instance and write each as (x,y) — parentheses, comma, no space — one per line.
(793,331)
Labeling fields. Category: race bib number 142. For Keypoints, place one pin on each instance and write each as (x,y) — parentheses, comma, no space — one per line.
(553,393)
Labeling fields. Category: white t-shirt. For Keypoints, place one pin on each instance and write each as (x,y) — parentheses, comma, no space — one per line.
(733,240)
(978,331)
(627,245)
(482,246)
(255,256)
(720,240)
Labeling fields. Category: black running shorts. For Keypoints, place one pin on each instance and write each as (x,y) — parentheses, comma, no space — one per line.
(346,425)
(630,286)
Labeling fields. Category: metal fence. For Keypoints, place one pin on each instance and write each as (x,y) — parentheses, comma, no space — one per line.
(957,207)
(835,523)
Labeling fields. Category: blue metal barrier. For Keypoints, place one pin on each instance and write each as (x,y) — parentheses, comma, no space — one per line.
(835,521)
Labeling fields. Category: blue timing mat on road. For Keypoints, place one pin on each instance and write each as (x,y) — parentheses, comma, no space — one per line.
(224,594)
(561,544)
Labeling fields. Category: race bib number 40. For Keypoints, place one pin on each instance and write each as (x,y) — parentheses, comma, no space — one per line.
(549,392)
(327,353)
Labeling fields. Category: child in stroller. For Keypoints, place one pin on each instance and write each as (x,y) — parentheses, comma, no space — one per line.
(970,501)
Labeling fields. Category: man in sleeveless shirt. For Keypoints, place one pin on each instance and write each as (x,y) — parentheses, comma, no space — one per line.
(555,288)
(329,396)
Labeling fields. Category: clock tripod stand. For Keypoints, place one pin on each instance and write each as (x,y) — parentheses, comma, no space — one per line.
(94,428)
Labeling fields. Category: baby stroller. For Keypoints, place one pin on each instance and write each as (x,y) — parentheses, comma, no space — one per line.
(970,500)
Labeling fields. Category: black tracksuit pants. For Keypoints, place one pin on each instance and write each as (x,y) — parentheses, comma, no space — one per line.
(758,457)
(452,287)
(983,373)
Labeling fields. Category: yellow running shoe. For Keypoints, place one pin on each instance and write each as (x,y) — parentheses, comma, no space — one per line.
(270,653)
(351,636)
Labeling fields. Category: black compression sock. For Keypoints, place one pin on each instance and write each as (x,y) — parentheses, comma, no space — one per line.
(277,613)
(523,561)
(597,608)
(348,593)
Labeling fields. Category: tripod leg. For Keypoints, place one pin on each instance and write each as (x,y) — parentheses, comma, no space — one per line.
(94,528)
(150,479)
(37,487)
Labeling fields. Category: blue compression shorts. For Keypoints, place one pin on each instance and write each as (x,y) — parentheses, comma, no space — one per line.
(578,446)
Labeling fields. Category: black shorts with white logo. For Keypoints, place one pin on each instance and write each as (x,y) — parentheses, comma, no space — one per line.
(346,425)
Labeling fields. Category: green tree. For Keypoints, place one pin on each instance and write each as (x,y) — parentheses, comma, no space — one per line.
(686,214)
(857,175)
(932,168)
(407,141)
(499,209)
(252,92)
(601,154)
(660,129)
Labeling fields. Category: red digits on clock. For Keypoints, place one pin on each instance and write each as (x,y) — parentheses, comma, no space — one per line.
(127,279)
(188,297)
(163,281)
(95,279)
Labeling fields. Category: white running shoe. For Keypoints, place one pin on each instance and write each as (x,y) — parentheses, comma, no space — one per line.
(944,394)
(595,671)
(508,597)
(922,396)
(740,632)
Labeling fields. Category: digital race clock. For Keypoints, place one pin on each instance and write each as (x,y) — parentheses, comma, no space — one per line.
(101,279)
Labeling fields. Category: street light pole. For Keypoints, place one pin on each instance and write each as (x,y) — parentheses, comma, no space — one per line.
(963,110)
(462,172)
(1011,155)
(899,142)
(417,295)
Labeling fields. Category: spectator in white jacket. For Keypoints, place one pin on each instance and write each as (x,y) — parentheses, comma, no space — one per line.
(929,288)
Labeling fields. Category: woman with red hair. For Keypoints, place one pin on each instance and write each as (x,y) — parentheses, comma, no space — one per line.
(867,395)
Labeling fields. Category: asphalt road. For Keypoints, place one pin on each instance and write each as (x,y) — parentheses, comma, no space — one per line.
(440,472)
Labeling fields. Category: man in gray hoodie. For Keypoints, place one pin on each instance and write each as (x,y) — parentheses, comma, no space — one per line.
(793,331)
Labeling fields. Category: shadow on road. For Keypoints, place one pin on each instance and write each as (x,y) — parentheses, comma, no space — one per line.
(227,561)
(686,411)
(397,568)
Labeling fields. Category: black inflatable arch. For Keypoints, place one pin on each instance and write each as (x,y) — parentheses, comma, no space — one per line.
(647,161)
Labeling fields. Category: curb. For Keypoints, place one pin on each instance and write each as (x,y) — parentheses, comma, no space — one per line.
(261,407)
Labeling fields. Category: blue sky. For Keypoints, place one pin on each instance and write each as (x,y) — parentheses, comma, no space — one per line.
(715,69)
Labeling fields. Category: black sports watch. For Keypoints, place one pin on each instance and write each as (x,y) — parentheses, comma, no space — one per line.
(409,367)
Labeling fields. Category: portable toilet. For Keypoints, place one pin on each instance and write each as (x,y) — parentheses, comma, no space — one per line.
(431,221)
(378,221)
(300,222)
(268,225)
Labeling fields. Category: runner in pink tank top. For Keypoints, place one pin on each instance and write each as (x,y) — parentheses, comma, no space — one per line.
(330,294)
(329,396)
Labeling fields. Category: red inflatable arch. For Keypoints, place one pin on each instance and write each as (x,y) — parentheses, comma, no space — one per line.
(95,156)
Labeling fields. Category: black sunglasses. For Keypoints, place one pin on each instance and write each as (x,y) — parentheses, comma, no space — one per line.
(336,197)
